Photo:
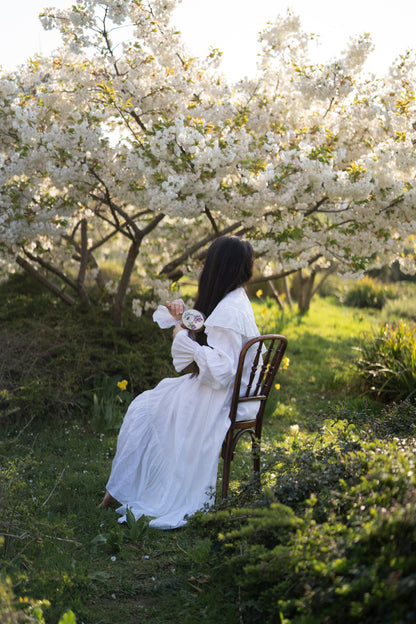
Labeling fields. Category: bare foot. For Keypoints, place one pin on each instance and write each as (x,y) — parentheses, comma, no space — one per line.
(107,500)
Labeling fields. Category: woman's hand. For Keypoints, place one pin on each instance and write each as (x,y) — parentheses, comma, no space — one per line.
(176,308)
(179,327)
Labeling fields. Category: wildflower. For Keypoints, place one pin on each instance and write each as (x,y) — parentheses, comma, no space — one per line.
(277,386)
(122,384)
(259,292)
(294,430)
(285,363)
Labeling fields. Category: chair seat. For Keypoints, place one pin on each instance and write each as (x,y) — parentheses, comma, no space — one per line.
(244,424)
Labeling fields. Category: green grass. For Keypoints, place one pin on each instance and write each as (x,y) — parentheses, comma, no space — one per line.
(322,347)
(60,546)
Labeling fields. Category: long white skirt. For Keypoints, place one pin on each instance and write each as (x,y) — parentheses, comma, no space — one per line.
(167,453)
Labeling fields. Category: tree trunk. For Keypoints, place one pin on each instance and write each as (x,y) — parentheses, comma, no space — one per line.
(82,291)
(132,254)
(118,305)
(303,290)
(287,292)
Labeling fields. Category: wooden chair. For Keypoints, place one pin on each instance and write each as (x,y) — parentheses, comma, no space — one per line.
(269,354)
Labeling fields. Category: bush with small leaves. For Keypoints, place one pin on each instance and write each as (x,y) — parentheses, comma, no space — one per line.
(24,610)
(346,546)
(368,293)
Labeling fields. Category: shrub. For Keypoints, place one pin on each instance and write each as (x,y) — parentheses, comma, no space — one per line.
(396,420)
(350,552)
(25,610)
(387,366)
(53,355)
(403,308)
(367,293)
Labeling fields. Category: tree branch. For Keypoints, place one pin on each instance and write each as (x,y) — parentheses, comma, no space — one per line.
(44,280)
(316,207)
(171,266)
(51,269)
(265,278)
(115,209)
(211,219)
(329,272)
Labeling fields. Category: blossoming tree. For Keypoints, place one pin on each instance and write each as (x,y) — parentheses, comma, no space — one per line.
(121,145)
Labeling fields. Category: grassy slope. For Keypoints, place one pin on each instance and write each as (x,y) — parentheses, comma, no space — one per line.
(59,469)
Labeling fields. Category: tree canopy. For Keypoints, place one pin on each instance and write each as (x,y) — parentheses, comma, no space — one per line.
(121,145)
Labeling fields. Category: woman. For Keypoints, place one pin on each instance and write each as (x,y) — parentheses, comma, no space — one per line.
(168,446)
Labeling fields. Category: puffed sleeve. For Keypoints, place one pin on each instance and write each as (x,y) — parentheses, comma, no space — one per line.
(182,350)
(217,362)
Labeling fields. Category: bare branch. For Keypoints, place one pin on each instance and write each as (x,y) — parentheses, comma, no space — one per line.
(54,488)
(276,294)
(328,272)
(174,264)
(137,119)
(317,206)
(115,209)
(211,219)
(44,280)
(51,269)
(265,278)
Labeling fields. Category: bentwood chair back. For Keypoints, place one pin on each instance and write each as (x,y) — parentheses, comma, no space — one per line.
(269,352)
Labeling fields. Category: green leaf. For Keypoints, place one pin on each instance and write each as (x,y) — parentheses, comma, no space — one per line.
(68,618)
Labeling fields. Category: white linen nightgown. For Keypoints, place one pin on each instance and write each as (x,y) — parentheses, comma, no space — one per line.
(169,443)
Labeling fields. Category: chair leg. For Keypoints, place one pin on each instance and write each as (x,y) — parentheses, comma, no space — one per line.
(225,478)
(227,455)
(256,459)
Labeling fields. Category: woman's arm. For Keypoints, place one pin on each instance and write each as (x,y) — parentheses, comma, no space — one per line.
(217,362)
(179,327)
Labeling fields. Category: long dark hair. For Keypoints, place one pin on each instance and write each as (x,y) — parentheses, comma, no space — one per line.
(228,265)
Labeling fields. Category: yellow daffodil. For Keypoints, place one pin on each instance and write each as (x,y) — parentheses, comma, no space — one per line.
(285,363)
(277,386)
(259,293)
(122,384)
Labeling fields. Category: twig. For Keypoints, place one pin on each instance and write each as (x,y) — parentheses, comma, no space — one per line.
(54,488)
(21,430)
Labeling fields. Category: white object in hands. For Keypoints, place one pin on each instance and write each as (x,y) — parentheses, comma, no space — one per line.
(193,319)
